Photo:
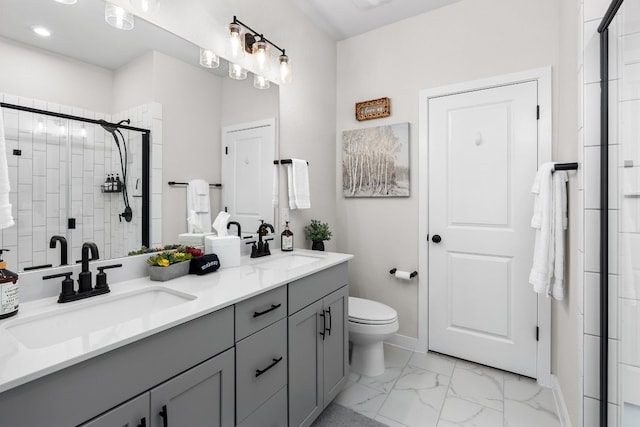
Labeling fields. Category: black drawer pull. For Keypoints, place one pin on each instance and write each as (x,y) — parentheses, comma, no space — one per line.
(165,416)
(260,313)
(143,422)
(275,362)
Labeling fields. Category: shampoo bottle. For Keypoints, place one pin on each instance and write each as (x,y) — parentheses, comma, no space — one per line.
(8,290)
(286,239)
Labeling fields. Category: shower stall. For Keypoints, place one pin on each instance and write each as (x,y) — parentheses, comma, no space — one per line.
(620,214)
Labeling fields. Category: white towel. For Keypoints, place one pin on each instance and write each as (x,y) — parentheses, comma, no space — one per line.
(198,207)
(275,201)
(298,183)
(6,219)
(559,225)
(549,219)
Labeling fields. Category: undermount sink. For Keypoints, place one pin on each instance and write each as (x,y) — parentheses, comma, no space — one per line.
(288,262)
(90,316)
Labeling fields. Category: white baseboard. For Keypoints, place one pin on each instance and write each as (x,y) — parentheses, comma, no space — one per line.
(409,343)
(561,406)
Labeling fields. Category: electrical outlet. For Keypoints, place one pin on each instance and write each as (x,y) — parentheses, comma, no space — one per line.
(284,215)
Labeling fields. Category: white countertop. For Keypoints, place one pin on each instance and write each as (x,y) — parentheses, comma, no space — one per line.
(20,364)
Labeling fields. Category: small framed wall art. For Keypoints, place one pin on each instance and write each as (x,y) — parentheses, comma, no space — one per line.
(374,109)
(375,161)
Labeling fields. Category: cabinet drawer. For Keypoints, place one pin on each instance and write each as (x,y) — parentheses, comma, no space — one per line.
(309,289)
(272,414)
(261,368)
(260,311)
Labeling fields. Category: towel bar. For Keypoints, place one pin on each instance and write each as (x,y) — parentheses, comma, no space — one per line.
(172,183)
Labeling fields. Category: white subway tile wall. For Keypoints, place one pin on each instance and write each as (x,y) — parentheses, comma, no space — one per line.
(56,152)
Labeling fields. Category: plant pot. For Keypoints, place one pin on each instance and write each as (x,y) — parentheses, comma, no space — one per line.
(317,245)
(162,274)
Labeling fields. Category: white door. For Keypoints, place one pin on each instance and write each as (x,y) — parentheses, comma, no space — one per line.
(483,149)
(248,151)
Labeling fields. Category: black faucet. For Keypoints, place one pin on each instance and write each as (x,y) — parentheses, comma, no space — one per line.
(63,247)
(237,224)
(263,246)
(84,278)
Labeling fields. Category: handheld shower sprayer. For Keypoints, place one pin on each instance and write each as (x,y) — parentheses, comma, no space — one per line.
(127,214)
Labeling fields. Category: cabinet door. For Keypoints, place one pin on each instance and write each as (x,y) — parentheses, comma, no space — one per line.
(201,397)
(134,413)
(305,364)
(336,344)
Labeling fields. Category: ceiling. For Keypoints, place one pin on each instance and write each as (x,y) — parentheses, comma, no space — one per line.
(80,32)
(347,18)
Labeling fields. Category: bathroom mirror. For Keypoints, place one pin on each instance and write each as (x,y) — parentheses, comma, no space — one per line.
(99,71)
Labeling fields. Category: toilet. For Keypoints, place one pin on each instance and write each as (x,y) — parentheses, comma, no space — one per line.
(370,323)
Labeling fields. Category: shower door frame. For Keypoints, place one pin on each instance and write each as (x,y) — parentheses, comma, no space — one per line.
(603,30)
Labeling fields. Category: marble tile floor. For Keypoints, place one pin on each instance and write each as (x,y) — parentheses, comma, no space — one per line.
(432,390)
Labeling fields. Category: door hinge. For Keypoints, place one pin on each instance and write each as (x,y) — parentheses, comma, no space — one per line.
(537,333)
(537,112)
(226,150)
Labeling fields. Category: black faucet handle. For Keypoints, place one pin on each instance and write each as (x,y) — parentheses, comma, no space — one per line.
(67,291)
(101,277)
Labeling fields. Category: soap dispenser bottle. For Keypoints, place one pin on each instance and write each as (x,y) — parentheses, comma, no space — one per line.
(8,290)
(286,239)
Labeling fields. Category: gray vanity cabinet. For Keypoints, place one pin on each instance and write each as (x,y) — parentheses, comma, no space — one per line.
(318,344)
(134,413)
(202,396)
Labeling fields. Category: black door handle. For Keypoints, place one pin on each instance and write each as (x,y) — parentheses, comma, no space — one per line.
(329,328)
(143,422)
(165,416)
(274,363)
(260,313)
(436,238)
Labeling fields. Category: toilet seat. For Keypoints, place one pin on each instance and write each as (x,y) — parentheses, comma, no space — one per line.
(367,312)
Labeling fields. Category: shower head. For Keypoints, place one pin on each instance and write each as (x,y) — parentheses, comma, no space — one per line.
(109,127)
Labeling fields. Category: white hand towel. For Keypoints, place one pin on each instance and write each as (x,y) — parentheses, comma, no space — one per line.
(559,225)
(275,201)
(199,192)
(6,219)
(543,254)
(198,202)
(298,183)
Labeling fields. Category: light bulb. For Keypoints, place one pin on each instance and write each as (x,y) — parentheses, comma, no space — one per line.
(118,17)
(208,59)
(235,41)
(263,59)
(285,69)
(67,1)
(259,82)
(146,6)
(236,72)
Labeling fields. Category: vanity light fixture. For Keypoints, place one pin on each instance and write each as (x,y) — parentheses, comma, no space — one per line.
(118,17)
(41,31)
(259,82)
(208,59)
(236,72)
(258,45)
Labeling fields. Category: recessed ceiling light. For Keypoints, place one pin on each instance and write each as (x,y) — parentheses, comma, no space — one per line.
(369,4)
(41,31)
(67,1)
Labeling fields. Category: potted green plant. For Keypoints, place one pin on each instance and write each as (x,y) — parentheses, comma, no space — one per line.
(169,264)
(317,232)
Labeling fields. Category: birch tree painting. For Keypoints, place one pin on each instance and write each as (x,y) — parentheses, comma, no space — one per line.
(375,161)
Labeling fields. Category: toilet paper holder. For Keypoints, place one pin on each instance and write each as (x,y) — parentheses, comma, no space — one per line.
(411,275)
